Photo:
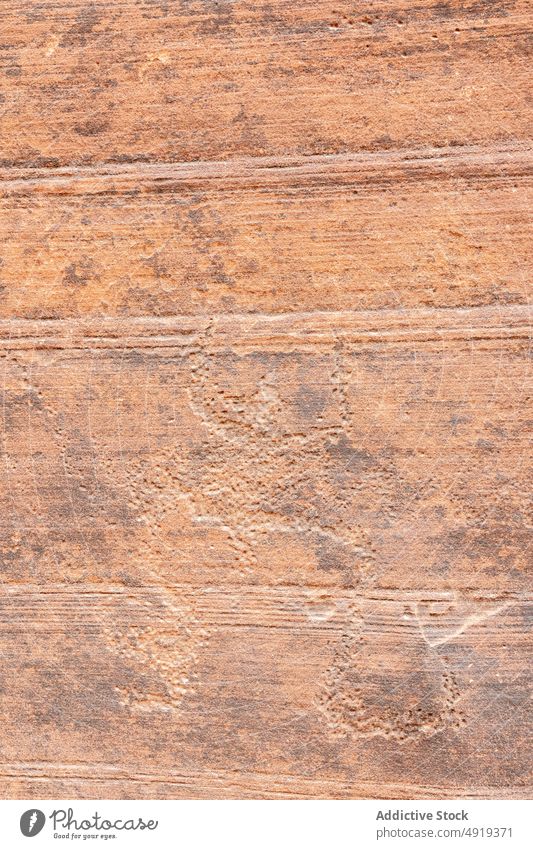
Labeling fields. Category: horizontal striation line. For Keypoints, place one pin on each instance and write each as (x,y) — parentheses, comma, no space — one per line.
(266,331)
(389,595)
(513,159)
(288,609)
(231,781)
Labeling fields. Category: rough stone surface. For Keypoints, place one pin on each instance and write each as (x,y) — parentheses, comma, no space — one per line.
(264,337)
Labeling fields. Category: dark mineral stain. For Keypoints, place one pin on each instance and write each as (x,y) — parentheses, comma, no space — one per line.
(91,127)
(333,556)
(79,274)
(345,452)
(80,31)
(310,402)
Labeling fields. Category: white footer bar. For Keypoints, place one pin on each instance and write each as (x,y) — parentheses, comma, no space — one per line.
(357,824)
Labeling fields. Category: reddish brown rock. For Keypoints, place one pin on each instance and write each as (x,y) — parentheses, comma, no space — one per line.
(264,337)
